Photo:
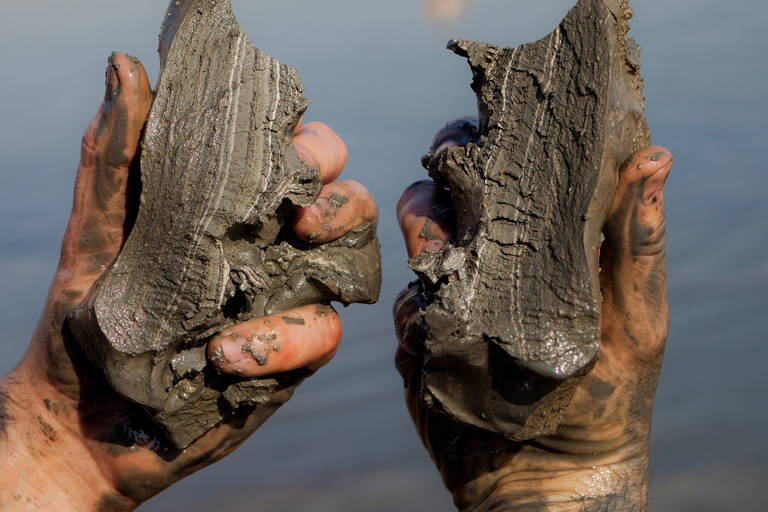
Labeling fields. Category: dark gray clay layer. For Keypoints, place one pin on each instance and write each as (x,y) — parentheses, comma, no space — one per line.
(513,317)
(219,175)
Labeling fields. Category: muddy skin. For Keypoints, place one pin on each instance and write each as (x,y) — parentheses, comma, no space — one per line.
(430,231)
(116,130)
(336,200)
(218,355)
(114,503)
(104,227)
(145,461)
(269,345)
(261,347)
(5,415)
(426,209)
(324,310)
(340,206)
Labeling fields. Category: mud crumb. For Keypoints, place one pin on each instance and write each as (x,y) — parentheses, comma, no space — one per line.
(218,355)
(337,200)
(656,156)
(427,232)
(294,321)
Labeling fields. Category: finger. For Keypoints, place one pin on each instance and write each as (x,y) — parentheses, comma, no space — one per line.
(635,221)
(278,343)
(426,217)
(341,207)
(456,132)
(321,148)
(97,225)
(409,331)
(633,258)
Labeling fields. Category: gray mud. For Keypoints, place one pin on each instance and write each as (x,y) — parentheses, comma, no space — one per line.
(516,298)
(219,175)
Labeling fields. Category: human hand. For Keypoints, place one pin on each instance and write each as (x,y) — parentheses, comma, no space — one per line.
(598,459)
(67,440)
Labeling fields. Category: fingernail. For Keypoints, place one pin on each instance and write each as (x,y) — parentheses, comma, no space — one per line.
(225,351)
(653,186)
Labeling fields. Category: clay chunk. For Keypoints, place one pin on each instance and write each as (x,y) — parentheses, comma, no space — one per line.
(219,175)
(512,323)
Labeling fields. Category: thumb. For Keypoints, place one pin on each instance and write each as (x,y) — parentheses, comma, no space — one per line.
(635,223)
(633,258)
(97,224)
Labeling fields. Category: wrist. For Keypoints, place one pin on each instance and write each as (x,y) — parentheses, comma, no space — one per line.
(567,484)
(43,463)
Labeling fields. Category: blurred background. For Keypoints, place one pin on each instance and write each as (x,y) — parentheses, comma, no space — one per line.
(378,73)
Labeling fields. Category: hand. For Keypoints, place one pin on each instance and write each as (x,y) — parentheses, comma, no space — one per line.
(598,460)
(67,440)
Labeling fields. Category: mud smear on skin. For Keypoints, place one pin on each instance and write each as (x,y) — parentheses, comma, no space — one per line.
(261,346)
(5,414)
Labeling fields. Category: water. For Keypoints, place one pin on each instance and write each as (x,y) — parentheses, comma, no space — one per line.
(378,74)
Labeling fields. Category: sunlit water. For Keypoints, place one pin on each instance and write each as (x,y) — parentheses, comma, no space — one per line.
(377,72)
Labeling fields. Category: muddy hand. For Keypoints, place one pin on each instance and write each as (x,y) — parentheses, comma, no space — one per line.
(68,441)
(599,456)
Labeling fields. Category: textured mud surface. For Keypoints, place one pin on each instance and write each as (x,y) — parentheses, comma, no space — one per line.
(513,317)
(208,249)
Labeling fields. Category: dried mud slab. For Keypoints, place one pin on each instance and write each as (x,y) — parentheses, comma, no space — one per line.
(219,175)
(513,317)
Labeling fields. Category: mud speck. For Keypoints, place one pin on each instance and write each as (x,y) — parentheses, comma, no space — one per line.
(337,200)
(427,233)
(218,355)
(655,157)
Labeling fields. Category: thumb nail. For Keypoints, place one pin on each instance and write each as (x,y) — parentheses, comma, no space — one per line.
(112,79)
(653,186)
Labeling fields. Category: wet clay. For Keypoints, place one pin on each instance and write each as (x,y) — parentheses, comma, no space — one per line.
(512,314)
(208,248)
